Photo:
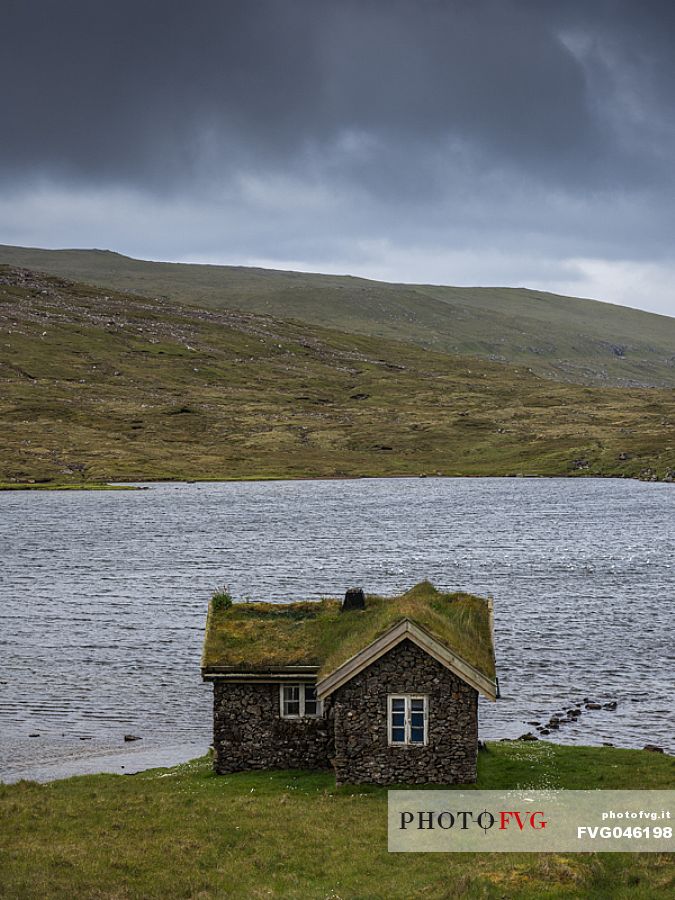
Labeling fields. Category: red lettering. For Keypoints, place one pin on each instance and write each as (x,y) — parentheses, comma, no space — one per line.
(541,824)
(504,817)
(521,821)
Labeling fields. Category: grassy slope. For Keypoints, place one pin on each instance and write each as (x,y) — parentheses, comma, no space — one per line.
(566,338)
(188,833)
(97,386)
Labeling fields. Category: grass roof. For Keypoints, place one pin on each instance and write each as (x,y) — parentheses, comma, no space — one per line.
(262,636)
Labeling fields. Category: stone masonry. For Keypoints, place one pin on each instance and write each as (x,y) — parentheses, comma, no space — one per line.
(249,732)
(359,707)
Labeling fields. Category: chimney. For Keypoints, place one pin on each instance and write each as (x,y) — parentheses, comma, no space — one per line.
(354,599)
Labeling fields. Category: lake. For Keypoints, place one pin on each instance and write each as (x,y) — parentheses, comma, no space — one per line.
(103,599)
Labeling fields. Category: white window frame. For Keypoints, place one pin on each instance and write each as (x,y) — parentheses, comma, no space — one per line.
(301,693)
(407,719)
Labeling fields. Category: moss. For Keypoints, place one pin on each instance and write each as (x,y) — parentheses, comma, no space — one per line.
(460,621)
(316,633)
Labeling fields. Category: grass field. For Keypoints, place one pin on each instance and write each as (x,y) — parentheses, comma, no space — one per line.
(98,386)
(185,832)
(565,338)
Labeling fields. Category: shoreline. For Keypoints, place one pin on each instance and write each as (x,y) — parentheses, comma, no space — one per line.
(64,486)
(127,761)
(144,484)
(121,761)
(174,756)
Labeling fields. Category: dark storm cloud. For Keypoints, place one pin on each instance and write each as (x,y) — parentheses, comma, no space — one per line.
(151,92)
(474,141)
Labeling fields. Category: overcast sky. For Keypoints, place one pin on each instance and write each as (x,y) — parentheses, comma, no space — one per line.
(492,142)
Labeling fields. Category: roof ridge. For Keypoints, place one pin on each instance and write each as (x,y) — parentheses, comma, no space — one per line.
(259,636)
(406,628)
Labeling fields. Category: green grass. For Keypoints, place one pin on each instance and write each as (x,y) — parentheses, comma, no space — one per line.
(221,600)
(460,621)
(564,338)
(97,386)
(259,635)
(186,833)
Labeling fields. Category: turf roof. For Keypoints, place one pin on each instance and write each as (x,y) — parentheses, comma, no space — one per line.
(257,637)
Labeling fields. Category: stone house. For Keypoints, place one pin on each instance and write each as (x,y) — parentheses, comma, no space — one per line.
(382,690)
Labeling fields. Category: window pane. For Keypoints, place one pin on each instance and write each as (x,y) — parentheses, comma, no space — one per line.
(291,699)
(417,720)
(417,735)
(310,707)
(398,719)
(310,692)
(398,703)
(417,704)
(398,735)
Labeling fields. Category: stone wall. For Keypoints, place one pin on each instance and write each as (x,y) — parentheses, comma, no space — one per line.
(362,750)
(249,732)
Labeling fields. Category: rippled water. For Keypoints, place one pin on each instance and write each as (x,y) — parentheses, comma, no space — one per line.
(103,598)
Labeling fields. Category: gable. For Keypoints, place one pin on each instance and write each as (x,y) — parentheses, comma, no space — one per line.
(402,631)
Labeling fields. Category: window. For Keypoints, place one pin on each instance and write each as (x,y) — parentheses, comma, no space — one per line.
(299,701)
(408,719)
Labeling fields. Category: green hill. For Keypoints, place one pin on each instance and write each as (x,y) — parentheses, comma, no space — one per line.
(564,338)
(98,385)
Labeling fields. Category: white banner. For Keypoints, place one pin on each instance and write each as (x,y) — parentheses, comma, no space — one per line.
(437,821)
